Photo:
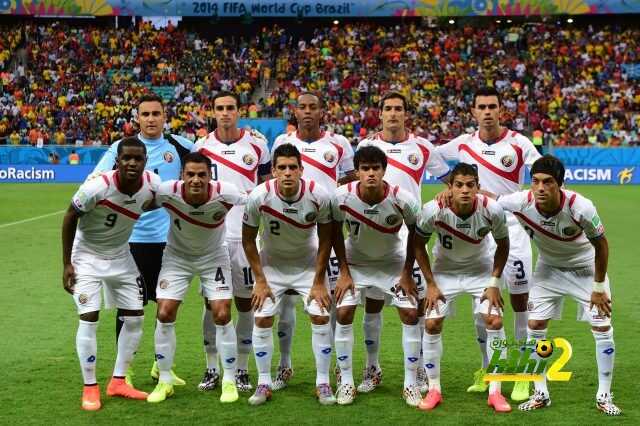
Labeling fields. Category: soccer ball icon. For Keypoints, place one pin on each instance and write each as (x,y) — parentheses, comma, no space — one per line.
(544,348)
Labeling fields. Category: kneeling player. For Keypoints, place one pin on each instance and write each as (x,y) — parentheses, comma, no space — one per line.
(293,257)
(375,260)
(197,206)
(462,264)
(104,211)
(573,261)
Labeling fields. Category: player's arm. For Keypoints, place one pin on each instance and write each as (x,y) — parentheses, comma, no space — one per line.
(69,226)
(344,282)
(261,289)
(599,296)
(407,284)
(319,290)
(349,176)
(492,292)
(420,240)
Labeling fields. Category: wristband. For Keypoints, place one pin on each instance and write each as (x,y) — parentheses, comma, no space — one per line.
(598,287)
(493,282)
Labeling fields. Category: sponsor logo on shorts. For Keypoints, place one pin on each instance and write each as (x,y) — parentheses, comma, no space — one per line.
(163,284)
(522,282)
(507,161)
(392,219)
(245,217)
(413,159)
(570,230)
(310,217)
(530,306)
(83,298)
(329,157)
(218,215)
(248,159)
(223,288)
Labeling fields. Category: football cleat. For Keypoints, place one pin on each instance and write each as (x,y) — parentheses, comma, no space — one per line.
(118,387)
(261,395)
(242,381)
(421,380)
(372,378)
(345,394)
(520,391)
(605,404)
(229,392)
(161,392)
(91,398)
(431,400)
(325,394)
(155,375)
(412,395)
(210,380)
(536,401)
(282,378)
(498,402)
(479,385)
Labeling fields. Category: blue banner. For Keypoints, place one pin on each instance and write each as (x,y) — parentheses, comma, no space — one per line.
(588,156)
(40,173)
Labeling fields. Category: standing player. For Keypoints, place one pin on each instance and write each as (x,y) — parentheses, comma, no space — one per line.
(164,154)
(408,156)
(104,211)
(500,155)
(462,264)
(573,259)
(242,158)
(328,160)
(296,242)
(198,207)
(377,258)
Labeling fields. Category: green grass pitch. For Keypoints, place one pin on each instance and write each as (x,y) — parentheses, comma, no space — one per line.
(42,382)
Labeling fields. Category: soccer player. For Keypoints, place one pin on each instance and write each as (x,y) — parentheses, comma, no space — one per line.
(296,241)
(328,160)
(573,257)
(240,157)
(198,207)
(164,154)
(500,155)
(377,258)
(408,157)
(464,263)
(95,255)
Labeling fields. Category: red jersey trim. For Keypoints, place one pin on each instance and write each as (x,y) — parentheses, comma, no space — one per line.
(544,231)
(118,209)
(106,180)
(369,222)
(331,172)
(286,219)
(457,233)
(249,174)
(513,176)
(277,191)
(190,219)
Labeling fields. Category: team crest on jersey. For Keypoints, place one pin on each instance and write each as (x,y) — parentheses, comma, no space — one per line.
(163,284)
(507,161)
(310,217)
(413,159)
(392,219)
(168,157)
(248,159)
(83,298)
(570,231)
(218,216)
(482,232)
(329,157)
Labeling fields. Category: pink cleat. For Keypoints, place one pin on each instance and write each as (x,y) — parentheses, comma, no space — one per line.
(498,402)
(431,400)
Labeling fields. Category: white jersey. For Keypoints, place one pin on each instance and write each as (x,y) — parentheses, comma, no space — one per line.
(500,164)
(198,231)
(408,160)
(289,232)
(562,239)
(374,231)
(325,160)
(462,246)
(241,163)
(108,215)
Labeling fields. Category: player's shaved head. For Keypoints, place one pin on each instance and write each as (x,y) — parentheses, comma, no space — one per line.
(286,150)
(370,155)
(131,141)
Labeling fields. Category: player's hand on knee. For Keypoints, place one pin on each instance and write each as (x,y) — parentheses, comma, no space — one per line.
(320,294)
(492,294)
(602,301)
(344,284)
(68,278)
(259,295)
(407,286)
(431,300)
(444,198)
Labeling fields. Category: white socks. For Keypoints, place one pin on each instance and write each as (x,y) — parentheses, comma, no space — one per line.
(286,327)
(263,351)
(321,343)
(481,337)
(372,325)
(344,351)
(87,348)
(244,327)
(432,353)
(411,348)
(605,356)
(500,337)
(227,344)
(520,320)
(165,339)
(128,343)
(209,334)
(421,330)
(540,386)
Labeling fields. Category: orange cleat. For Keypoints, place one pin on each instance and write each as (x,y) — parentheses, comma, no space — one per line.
(91,398)
(498,402)
(431,400)
(118,387)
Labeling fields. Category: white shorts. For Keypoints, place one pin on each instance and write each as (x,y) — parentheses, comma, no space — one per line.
(241,274)
(177,272)
(286,276)
(119,277)
(454,285)
(377,282)
(517,271)
(551,284)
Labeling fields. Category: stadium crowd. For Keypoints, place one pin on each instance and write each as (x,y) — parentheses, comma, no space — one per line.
(78,83)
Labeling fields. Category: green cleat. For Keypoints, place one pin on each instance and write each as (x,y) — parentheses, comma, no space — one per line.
(229,391)
(520,391)
(155,375)
(479,385)
(161,392)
